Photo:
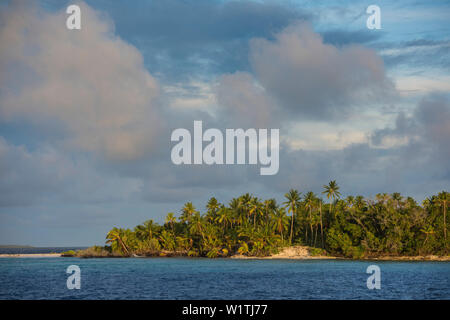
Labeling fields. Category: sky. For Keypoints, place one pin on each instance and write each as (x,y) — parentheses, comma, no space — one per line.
(86,115)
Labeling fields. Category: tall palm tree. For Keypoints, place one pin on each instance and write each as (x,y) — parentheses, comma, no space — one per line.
(236,211)
(115,236)
(443,199)
(293,201)
(187,212)
(244,204)
(145,230)
(280,221)
(427,230)
(310,202)
(270,206)
(224,217)
(320,202)
(212,206)
(255,210)
(170,220)
(197,225)
(332,191)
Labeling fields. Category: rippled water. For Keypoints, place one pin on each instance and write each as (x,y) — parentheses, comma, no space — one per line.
(184,278)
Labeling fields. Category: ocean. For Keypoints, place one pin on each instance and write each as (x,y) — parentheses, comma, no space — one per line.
(200,278)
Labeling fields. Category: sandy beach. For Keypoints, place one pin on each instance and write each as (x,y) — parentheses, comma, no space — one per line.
(301,252)
(295,252)
(31,255)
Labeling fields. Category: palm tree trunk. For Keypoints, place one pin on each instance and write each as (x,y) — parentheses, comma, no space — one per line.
(124,247)
(445,225)
(292,226)
(315,237)
(310,224)
(321,223)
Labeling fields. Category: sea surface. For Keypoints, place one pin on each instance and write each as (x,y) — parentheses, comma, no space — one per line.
(189,278)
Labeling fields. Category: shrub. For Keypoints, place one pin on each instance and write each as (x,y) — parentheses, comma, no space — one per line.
(317,252)
(69,253)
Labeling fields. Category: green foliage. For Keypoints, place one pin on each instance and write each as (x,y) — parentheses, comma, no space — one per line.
(95,251)
(353,227)
(69,253)
(317,252)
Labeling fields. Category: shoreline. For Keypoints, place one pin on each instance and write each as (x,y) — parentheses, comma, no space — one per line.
(288,253)
(303,253)
(393,258)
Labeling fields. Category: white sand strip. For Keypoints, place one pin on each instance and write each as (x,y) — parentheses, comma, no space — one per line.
(31,255)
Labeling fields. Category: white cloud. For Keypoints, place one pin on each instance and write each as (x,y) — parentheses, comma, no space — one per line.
(423,84)
(245,102)
(88,83)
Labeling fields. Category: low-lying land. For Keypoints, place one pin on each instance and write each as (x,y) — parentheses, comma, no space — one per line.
(292,252)
(388,227)
(30,255)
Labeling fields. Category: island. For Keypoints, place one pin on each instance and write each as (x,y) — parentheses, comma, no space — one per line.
(388,227)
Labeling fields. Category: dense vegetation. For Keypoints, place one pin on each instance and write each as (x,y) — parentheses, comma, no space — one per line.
(353,227)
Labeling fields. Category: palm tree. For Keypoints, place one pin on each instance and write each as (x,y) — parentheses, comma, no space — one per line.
(168,241)
(212,206)
(280,221)
(255,209)
(293,201)
(270,206)
(224,217)
(115,236)
(443,199)
(332,191)
(170,220)
(187,212)
(197,225)
(244,205)
(236,211)
(310,201)
(320,201)
(145,231)
(427,230)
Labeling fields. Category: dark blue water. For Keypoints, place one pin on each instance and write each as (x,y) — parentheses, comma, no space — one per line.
(183,278)
(38,250)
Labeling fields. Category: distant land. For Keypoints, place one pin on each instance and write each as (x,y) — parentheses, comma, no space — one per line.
(14,246)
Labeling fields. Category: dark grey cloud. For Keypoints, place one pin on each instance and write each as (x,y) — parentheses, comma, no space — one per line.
(202,36)
(340,37)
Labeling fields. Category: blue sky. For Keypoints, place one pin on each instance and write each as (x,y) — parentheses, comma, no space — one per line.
(86,116)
